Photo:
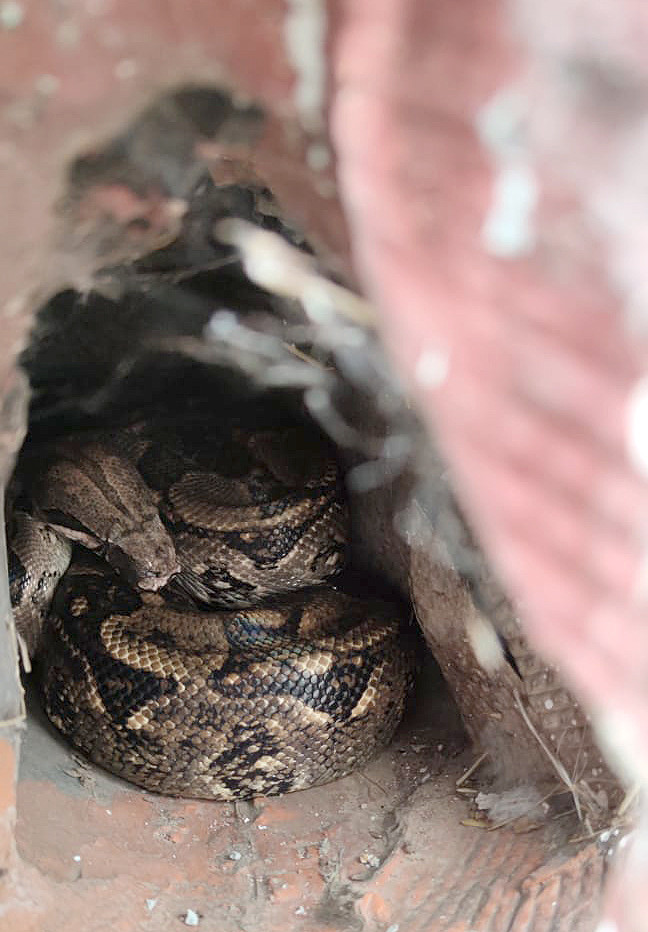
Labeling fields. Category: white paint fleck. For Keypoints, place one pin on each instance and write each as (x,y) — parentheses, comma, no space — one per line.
(637,426)
(262,828)
(607,926)
(508,231)
(77,858)
(300,911)
(548,704)
(318,156)
(68,34)
(501,123)
(191,918)
(151,904)
(47,84)
(14,306)
(432,367)
(125,69)
(11,14)
(305,29)
(108,811)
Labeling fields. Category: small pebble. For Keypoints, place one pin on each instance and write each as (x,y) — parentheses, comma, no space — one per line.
(151,904)
(191,918)
(300,911)
(369,859)
(234,855)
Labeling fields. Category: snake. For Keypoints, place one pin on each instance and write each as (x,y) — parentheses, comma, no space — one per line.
(176,582)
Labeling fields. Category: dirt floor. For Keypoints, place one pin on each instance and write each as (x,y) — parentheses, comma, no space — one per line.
(384,850)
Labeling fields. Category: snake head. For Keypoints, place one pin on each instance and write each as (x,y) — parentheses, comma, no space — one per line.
(146,558)
(91,494)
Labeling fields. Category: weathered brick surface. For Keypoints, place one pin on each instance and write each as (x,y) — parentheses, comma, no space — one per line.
(491,159)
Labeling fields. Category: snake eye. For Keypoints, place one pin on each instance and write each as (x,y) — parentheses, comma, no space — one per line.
(120,561)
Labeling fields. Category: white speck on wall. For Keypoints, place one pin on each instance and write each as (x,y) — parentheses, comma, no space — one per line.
(191,918)
(318,156)
(548,704)
(68,34)
(305,29)
(11,14)
(500,124)
(47,84)
(151,904)
(432,368)
(125,69)
(637,426)
(508,230)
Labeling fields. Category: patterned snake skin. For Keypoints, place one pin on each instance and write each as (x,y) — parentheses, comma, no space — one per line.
(194,645)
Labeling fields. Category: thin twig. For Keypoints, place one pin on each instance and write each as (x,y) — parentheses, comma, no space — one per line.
(473,767)
(558,765)
(300,354)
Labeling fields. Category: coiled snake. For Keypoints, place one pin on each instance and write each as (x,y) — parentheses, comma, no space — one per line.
(193,645)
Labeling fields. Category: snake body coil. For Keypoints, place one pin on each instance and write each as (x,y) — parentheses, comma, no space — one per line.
(199,650)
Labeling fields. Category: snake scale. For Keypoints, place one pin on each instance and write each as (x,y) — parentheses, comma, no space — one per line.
(175,582)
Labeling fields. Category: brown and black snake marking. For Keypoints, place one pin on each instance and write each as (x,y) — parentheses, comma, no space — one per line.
(288,684)
(222,705)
